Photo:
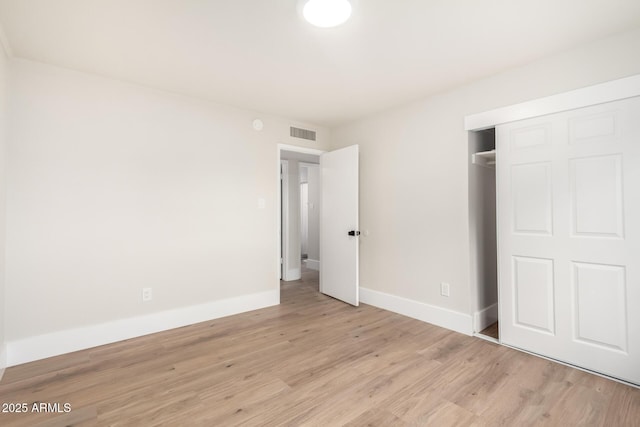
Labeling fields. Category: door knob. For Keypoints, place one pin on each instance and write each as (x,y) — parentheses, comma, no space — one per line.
(354,233)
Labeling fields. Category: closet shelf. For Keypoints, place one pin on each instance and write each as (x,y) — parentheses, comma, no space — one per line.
(484,158)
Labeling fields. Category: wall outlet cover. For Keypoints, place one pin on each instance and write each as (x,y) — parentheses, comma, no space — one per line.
(444,289)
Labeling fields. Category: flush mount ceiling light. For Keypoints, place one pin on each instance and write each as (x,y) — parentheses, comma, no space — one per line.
(326,13)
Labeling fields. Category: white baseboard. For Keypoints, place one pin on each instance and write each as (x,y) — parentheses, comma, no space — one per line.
(454,320)
(61,342)
(485,317)
(313,264)
(292,274)
(3,359)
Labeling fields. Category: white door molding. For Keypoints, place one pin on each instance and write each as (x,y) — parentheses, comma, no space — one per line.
(584,97)
(287,273)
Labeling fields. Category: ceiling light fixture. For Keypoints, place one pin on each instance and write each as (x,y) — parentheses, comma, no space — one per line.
(326,13)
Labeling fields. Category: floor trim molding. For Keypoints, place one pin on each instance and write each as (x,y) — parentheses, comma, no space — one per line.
(3,359)
(453,320)
(313,264)
(66,341)
(485,317)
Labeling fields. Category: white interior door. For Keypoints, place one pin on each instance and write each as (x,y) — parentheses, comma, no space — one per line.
(339,218)
(569,236)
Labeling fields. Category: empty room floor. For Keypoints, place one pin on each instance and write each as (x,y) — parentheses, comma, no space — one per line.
(313,360)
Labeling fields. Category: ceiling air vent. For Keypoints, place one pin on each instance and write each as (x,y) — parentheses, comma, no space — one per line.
(302,133)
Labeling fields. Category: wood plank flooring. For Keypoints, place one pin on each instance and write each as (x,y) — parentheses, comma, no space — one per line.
(491,331)
(313,361)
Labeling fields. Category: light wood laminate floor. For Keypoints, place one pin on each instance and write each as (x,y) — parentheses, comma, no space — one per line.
(313,361)
(491,331)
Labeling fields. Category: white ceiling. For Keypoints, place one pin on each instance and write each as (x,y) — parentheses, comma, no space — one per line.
(260,55)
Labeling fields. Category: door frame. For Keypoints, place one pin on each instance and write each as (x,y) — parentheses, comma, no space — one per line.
(280,233)
(284,219)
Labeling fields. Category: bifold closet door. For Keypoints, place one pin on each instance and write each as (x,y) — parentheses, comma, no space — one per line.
(568,190)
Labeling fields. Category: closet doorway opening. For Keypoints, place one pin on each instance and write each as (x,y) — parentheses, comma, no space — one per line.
(482,232)
(299,215)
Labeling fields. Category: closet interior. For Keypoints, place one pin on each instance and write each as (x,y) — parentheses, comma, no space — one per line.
(482,227)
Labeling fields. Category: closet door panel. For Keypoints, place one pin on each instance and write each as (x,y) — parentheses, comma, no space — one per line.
(533,294)
(597,208)
(568,196)
(600,288)
(532,212)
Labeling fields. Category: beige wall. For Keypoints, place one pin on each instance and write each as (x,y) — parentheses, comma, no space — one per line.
(116,187)
(413,176)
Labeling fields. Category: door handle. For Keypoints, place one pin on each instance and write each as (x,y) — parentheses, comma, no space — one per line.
(354,233)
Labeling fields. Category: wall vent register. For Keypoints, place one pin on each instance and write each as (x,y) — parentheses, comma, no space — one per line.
(302,133)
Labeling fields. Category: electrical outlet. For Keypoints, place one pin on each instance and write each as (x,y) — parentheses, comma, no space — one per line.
(444,289)
(147,294)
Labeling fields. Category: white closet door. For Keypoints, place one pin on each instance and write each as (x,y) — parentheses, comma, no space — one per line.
(568,189)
